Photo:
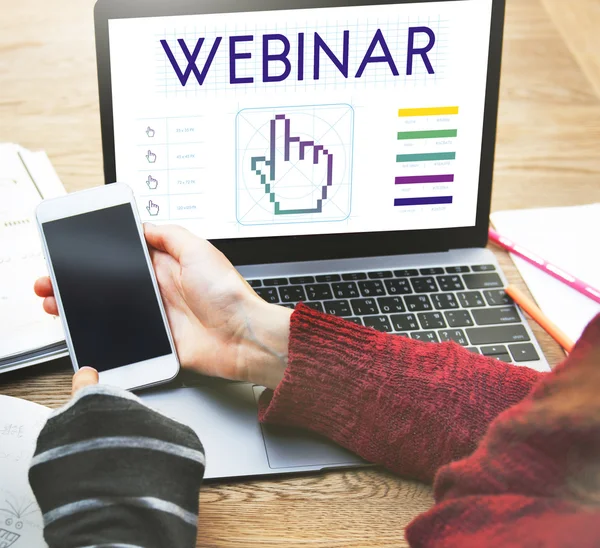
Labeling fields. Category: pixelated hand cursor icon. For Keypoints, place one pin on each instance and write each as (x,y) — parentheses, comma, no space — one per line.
(152,182)
(151,157)
(150,132)
(152,208)
(295,173)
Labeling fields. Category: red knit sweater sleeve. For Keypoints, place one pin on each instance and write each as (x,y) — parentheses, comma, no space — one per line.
(408,405)
(532,479)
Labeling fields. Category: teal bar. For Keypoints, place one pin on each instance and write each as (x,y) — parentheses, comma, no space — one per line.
(436,134)
(426,157)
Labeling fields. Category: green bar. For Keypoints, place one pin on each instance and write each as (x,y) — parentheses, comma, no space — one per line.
(426,157)
(404,135)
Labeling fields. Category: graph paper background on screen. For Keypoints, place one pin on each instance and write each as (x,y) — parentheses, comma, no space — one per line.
(292,122)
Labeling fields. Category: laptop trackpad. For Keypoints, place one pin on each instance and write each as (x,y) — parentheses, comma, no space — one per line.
(292,447)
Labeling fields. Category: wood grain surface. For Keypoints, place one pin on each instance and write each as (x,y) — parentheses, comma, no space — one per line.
(547,155)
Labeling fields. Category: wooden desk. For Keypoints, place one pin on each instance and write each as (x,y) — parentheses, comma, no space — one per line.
(549,134)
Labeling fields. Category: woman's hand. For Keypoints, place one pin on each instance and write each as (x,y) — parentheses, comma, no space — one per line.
(220,326)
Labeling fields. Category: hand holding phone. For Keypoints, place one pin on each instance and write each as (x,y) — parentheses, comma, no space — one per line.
(105,287)
(218,322)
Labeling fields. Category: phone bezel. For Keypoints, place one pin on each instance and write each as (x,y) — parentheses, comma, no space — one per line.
(131,376)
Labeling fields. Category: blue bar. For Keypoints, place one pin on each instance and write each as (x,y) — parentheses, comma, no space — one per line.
(435,200)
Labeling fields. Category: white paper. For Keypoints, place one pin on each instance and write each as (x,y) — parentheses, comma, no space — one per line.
(24,325)
(21,524)
(567,237)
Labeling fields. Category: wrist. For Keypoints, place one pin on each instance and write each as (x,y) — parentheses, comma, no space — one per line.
(264,343)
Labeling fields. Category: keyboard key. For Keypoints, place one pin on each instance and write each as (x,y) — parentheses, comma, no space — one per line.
(318,292)
(424,285)
(275,281)
(483,268)
(497,334)
(443,301)
(502,358)
(362,307)
(458,318)
(338,308)
(354,276)
(490,316)
(471,299)
(345,289)
(302,280)
(289,305)
(404,322)
(381,323)
(450,283)
(497,297)
(425,336)
(399,286)
(431,271)
(254,283)
(357,321)
(417,303)
(371,289)
(431,320)
(456,335)
(523,352)
(389,305)
(473,349)
(292,294)
(457,269)
(482,281)
(316,306)
(269,294)
(406,272)
(328,278)
(380,274)
(495,350)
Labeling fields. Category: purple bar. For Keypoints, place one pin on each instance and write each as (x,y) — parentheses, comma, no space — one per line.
(424,179)
(434,200)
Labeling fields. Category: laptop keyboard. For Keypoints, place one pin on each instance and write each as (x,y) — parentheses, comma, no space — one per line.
(464,304)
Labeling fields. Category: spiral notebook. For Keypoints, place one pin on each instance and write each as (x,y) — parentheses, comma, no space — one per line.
(567,237)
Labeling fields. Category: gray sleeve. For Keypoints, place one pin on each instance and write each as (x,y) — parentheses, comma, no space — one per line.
(110,471)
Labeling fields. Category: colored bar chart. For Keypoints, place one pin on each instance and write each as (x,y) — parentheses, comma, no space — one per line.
(427,137)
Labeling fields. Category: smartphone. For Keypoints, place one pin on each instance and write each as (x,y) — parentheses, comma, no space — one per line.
(105,287)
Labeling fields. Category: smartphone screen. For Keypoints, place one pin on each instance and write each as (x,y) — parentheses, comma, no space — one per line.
(106,289)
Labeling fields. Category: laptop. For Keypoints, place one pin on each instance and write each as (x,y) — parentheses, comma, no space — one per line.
(338,153)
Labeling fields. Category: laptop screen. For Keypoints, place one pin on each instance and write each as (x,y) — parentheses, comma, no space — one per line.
(301,122)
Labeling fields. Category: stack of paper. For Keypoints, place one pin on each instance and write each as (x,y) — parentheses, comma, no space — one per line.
(27,334)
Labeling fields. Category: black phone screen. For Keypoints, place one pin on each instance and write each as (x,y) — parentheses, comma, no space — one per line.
(106,289)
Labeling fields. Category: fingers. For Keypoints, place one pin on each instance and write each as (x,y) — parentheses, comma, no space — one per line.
(43,287)
(50,306)
(170,238)
(86,376)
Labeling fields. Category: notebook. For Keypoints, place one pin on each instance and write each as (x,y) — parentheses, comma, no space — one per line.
(567,237)
(29,335)
(21,524)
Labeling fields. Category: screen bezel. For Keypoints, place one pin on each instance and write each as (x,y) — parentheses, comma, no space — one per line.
(243,251)
(131,376)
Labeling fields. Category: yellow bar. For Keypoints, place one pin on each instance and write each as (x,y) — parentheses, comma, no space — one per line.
(435,111)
